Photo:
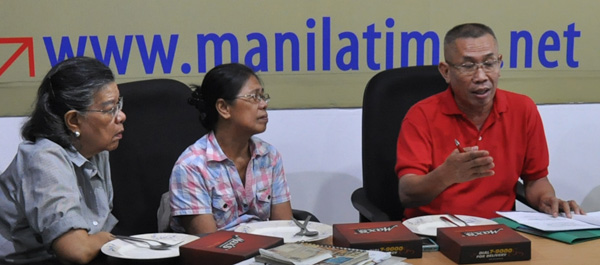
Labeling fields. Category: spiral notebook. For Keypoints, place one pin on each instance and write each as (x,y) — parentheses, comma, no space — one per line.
(304,253)
(342,255)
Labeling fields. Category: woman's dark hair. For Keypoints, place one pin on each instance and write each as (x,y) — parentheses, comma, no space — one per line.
(69,85)
(224,81)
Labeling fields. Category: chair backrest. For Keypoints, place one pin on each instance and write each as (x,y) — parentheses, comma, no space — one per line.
(159,126)
(387,98)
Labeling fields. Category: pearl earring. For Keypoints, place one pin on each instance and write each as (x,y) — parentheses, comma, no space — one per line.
(77,134)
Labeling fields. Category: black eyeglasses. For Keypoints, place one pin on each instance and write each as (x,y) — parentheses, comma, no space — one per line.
(112,111)
(469,68)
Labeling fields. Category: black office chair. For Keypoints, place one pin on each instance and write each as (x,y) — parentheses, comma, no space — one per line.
(387,98)
(160,125)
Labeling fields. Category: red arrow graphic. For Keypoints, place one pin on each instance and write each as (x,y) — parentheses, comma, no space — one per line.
(27,43)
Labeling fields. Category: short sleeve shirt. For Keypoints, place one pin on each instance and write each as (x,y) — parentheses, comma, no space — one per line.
(48,190)
(205,181)
(513,134)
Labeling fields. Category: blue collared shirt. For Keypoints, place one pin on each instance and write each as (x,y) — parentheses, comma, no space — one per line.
(48,190)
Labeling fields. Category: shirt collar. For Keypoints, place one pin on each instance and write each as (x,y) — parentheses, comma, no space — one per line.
(91,169)
(75,157)
(215,153)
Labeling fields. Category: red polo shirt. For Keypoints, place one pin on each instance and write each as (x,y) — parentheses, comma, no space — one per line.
(513,133)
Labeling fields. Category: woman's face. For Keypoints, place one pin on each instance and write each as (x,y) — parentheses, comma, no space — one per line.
(100,129)
(248,114)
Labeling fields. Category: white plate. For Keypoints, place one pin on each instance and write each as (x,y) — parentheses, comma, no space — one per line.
(427,225)
(131,250)
(286,230)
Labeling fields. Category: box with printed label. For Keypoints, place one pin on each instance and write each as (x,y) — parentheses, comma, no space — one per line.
(483,243)
(225,247)
(391,237)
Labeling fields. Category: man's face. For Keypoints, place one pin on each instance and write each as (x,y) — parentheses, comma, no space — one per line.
(472,69)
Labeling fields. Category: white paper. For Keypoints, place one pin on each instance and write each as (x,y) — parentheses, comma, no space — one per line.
(590,218)
(546,222)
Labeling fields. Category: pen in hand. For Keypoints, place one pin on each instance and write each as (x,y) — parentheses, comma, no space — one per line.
(460,149)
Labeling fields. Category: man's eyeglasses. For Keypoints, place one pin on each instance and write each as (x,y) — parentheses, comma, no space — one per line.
(256,97)
(112,111)
(469,68)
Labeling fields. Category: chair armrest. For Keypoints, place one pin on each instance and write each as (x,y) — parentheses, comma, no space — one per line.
(520,191)
(367,209)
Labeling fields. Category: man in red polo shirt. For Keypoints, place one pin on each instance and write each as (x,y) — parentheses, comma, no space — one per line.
(502,133)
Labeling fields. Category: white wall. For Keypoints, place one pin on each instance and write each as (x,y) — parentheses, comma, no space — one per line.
(322,156)
(10,136)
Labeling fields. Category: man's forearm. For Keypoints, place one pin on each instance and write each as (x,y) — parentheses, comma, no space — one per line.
(416,190)
(537,189)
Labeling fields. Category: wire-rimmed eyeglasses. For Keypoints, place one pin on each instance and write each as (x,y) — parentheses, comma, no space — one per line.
(112,111)
(469,68)
(256,97)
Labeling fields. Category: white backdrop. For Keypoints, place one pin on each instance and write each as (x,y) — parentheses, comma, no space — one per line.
(321,149)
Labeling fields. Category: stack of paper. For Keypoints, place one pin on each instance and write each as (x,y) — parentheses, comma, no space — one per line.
(579,228)
(546,222)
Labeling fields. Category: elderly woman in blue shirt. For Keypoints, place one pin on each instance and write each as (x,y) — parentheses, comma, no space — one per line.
(56,195)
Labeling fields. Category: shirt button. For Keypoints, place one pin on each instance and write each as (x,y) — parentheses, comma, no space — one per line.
(245,205)
(480,138)
(95,223)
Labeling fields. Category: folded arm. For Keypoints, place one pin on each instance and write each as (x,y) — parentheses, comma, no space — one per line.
(205,223)
(77,246)
(199,224)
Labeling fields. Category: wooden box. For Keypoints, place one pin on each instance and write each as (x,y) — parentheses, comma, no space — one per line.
(391,237)
(484,243)
(225,247)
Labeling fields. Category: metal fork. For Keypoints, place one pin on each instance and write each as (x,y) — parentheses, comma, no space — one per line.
(161,245)
(303,230)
